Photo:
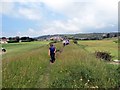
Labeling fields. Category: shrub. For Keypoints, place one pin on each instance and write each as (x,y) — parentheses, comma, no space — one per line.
(115,41)
(13,41)
(75,41)
(103,55)
(54,42)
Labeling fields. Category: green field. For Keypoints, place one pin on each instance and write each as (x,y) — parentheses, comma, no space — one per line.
(101,45)
(26,65)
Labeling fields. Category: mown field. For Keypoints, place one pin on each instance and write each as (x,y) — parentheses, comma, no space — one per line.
(26,65)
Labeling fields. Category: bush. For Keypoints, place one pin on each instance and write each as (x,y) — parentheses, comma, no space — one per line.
(25,40)
(75,41)
(13,41)
(103,55)
(116,41)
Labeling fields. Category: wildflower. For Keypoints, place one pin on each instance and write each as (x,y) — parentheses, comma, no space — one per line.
(88,80)
(60,71)
(86,84)
(96,86)
(81,79)
(92,87)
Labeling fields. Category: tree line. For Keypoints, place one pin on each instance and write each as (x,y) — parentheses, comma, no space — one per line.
(18,39)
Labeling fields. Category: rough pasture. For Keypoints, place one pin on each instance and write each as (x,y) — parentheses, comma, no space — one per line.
(26,65)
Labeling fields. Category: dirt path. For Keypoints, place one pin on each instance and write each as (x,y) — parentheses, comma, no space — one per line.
(46,77)
(1,53)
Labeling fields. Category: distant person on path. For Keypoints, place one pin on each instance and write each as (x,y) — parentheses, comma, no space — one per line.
(64,42)
(67,42)
(51,53)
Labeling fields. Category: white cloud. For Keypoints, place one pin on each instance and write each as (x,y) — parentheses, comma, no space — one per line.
(81,14)
(28,32)
(58,5)
(6,8)
(19,34)
(29,13)
(61,27)
(32,32)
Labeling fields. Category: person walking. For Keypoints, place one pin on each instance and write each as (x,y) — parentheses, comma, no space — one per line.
(64,43)
(51,53)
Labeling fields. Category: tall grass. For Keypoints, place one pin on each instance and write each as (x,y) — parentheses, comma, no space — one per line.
(73,68)
(79,69)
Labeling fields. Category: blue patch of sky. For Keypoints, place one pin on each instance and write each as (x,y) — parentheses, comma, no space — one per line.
(11,25)
(15,24)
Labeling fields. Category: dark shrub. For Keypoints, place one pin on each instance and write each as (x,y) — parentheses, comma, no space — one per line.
(115,41)
(50,43)
(55,42)
(103,55)
(13,41)
(25,41)
(75,42)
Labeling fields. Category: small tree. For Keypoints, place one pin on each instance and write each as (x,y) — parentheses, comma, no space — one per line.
(108,35)
(4,38)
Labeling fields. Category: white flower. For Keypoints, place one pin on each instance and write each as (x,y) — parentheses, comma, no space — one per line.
(85,84)
(96,86)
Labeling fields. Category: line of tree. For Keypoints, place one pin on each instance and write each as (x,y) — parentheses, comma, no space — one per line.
(18,39)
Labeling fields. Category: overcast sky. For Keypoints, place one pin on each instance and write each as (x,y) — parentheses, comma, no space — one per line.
(41,17)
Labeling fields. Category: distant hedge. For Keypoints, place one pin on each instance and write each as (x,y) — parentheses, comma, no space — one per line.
(13,41)
(75,41)
(25,40)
